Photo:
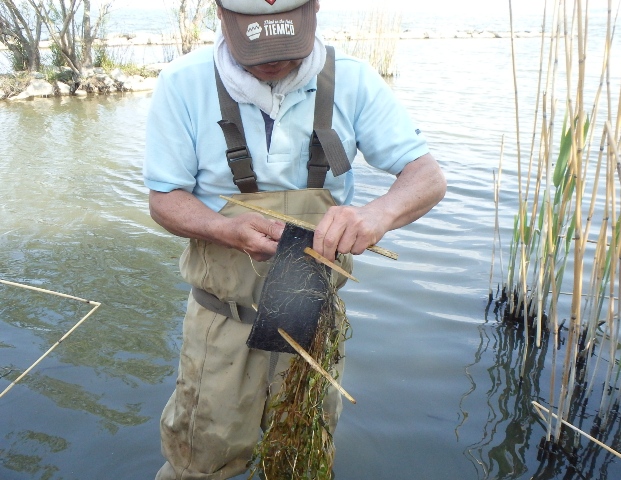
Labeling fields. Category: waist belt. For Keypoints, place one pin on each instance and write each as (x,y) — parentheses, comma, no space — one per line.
(228,309)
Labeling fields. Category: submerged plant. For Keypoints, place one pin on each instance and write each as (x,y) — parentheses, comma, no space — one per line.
(298,443)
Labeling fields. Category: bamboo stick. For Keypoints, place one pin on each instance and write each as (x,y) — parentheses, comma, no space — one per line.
(311,361)
(41,290)
(301,223)
(539,408)
(96,305)
(325,261)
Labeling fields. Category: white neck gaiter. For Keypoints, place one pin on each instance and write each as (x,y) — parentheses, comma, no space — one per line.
(243,87)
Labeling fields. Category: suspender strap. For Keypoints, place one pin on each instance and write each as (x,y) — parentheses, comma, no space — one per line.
(326,148)
(237,153)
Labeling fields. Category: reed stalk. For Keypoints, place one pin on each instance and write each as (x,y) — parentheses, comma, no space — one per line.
(497,237)
(540,408)
(562,193)
(374,38)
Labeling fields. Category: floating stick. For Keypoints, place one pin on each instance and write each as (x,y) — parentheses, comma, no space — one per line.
(325,261)
(539,407)
(36,289)
(311,361)
(302,224)
(96,305)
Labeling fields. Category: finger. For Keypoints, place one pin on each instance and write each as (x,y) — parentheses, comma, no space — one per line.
(332,240)
(264,251)
(319,238)
(365,236)
(360,246)
(275,230)
(260,247)
(347,241)
(256,236)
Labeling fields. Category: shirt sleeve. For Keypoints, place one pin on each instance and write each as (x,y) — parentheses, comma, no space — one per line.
(385,133)
(170,158)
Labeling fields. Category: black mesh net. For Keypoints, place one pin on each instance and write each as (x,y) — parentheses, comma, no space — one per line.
(293,296)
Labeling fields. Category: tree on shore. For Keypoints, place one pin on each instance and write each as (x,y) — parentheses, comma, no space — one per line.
(20,32)
(72,40)
(192,16)
(90,31)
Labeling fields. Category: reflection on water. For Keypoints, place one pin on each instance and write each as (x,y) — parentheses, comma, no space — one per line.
(509,431)
(512,443)
(74,220)
(437,384)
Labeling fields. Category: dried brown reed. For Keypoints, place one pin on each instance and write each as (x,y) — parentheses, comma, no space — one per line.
(374,38)
(572,191)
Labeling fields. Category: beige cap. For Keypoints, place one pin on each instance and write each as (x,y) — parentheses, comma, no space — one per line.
(263,31)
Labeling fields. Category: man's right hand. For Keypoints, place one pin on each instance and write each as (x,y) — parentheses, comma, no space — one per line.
(253,234)
(184,215)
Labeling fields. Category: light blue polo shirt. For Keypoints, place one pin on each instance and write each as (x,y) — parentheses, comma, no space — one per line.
(185,147)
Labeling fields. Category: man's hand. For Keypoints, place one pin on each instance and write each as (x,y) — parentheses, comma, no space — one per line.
(348,230)
(253,234)
(417,189)
(182,214)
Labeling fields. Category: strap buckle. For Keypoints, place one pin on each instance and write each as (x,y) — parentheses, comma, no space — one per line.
(240,163)
(317,156)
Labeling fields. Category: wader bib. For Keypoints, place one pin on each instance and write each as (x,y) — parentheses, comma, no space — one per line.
(211,423)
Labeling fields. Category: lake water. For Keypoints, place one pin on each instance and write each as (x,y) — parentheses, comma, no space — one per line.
(433,372)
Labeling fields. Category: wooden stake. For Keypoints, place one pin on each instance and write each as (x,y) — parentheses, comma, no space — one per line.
(301,224)
(311,361)
(96,305)
(325,261)
(539,407)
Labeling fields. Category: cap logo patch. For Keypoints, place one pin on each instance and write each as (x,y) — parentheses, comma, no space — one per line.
(272,28)
(278,27)
(254,31)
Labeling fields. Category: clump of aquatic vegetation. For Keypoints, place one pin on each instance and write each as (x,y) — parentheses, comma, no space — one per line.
(298,443)
(564,261)
(374,38)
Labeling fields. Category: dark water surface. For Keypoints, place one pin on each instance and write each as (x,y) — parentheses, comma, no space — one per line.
(432,371)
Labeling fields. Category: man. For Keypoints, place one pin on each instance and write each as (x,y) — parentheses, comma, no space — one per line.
(266,59)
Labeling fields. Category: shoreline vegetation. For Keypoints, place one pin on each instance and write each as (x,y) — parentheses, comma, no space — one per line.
(121,77)
(567,228)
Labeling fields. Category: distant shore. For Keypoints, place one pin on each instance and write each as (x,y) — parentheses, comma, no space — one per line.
(149,39)
(157,50)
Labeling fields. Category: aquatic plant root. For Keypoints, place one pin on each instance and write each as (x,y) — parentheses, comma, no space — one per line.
(298,443)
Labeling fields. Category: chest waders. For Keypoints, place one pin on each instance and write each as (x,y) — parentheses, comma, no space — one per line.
(210,425)
(225,280)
